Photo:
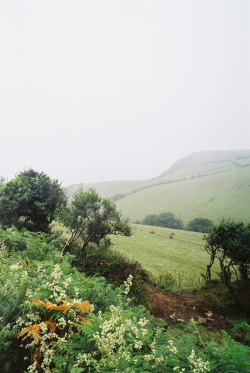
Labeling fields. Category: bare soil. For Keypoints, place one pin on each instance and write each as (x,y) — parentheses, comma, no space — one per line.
(180,307)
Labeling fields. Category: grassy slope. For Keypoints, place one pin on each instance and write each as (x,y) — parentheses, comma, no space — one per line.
(223,192)
(216,196)
(110,188)
(158,253)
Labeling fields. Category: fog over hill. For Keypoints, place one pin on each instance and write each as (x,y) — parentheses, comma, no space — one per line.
(213,160)
(211,184)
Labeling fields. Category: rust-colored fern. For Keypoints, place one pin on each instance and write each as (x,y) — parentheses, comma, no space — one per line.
(35,330)
(84,307)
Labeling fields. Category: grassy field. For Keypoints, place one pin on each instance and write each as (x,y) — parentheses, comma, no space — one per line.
(158,253)
(215,196)
(209,185)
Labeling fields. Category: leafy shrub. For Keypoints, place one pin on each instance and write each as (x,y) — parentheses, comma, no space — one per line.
(35,246)
(115,267)
(241,332)
(229,356)
(165,219)
(202,225)
(217,295)
(30,201)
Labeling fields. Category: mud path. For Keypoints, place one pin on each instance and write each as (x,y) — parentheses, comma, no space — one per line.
(181,307)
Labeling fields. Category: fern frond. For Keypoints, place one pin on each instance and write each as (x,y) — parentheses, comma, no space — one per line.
(33,330)
(85,307)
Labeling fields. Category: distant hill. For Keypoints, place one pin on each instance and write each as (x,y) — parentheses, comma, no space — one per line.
(210,184)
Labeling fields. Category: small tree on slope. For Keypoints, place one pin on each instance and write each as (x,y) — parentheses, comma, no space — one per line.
(90,218)
(229,242)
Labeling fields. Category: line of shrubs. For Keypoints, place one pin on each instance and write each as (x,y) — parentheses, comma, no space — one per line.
(168,220)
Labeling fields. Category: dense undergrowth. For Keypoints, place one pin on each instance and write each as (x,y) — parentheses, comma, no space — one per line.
(54,318)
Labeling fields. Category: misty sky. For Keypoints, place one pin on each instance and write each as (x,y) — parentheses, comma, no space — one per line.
(121,89)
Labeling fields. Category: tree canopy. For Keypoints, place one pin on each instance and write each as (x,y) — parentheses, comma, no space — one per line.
(30,201)
(202,225)
(165,219)
(90,218)
(229,242)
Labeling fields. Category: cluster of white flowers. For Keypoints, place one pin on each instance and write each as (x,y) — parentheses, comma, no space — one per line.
(88,359)
(128,284)
(61,322)
(58,288)
(172,348)
(57,273)
(143,321)
(32,368)
(112,342)
(34,317)
(20,322)
(198,365)
(67,282)
(138,345)
(15,267)
(3,252)
(47,351)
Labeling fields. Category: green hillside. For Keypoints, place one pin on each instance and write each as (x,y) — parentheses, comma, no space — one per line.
(214,197)
(110,188)
(158,253)
(211,185)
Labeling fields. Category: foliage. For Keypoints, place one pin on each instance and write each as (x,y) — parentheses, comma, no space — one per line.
(23,282)
(229,242)
(2,182)
(55,319)
(31,245)
(30,201)
(202,225)
(115,267)
(90,218)
(241,331)
(230,356)
(217,295)
(165,219)
(224,354)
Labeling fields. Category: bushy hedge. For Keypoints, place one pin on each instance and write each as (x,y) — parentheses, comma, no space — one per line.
(165,219)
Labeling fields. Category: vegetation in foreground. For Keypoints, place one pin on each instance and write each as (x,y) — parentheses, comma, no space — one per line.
(54,318)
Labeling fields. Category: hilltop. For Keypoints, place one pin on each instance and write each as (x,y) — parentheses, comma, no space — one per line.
(210,184)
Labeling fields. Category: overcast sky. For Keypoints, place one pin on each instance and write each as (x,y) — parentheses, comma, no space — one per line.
(94,90)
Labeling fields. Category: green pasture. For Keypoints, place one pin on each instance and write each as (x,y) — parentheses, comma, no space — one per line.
(158,253)
(212,185)
(214,196)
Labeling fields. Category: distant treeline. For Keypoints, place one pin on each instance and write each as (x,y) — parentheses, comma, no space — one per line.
(168,220)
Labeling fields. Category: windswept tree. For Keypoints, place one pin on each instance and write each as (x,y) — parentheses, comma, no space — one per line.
(30,201)
(229,243)
(90,218)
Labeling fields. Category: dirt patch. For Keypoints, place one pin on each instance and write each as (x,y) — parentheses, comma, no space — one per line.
(181,307)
